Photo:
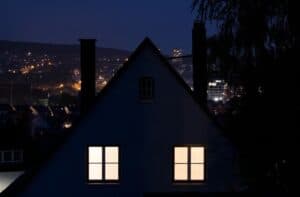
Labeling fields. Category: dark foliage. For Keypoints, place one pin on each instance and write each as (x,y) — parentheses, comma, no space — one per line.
(258,40)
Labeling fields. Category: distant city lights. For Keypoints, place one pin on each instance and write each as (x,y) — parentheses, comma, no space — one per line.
(216,90)
(61,86)
(77,85)
(67,125)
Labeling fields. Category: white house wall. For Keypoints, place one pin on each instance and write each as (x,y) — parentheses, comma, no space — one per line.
(146,134)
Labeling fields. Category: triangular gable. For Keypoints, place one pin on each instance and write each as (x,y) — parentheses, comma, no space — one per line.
(20,182)
(147,42)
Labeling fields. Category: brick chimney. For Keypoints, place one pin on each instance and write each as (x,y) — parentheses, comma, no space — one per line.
(200,62)
(88,79)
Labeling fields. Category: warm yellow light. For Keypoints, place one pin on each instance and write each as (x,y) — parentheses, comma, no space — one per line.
(77,86)
(95,154)
(111,154)
(181,154)
(61,85)
(67,125)
(197,172)
(181,166)
(104,83)
(181,172)
(197,154)
(111,163)
(25,70)
(67,111)
(111,171)
(197,163)
(189,163)
(95,171)
(95,163)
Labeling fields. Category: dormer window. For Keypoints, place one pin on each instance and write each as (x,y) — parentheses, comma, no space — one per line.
(146,88)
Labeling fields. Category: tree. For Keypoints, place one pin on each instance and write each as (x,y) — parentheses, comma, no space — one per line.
(263,37)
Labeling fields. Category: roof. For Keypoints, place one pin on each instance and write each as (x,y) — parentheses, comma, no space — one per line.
(21,181)
(5,107)
(147,42)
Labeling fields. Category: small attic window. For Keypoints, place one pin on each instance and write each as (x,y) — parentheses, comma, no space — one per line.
(146,88)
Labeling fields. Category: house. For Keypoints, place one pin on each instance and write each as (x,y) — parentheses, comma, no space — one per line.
(14,92)
(11,147)
(11,140)
(145,135)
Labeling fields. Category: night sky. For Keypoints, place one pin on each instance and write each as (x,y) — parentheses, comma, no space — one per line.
(114,23)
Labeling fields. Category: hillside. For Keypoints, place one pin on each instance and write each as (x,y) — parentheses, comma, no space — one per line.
(55,49)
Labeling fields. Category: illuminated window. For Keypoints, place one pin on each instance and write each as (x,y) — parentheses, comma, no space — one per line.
(189,163)
(146,88)
(103,163)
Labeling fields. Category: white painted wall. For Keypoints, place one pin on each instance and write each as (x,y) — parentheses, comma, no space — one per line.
(6,178)
(146,134)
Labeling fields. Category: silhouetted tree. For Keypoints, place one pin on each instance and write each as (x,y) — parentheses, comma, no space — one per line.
(262,36)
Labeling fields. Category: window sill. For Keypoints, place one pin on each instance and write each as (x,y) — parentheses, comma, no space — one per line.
(188,183)
(103,183)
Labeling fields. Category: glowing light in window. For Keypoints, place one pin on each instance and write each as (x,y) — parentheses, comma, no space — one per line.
(104,163)
(181,172)
(181,155)
(95,154)
(95,171)
(111,154)
(197,163)
(189,163)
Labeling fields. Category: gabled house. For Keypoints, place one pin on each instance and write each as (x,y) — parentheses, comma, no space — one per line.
(11,140)
(145,135)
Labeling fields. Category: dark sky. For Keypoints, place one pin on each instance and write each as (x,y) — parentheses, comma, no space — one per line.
(114,23)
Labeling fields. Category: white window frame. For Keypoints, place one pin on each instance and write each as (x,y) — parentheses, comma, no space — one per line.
(189,164)
(104,164)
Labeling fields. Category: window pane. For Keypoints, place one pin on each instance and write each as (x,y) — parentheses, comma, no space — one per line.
(95,154)
(95,171)
(111,154)
(181,172)
(146,88)
(197,171)
(197,155)
(181,155)
(7,155)
(111,172)
(18,156)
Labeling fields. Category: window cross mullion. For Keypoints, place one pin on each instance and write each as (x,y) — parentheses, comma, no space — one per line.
(189,163)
